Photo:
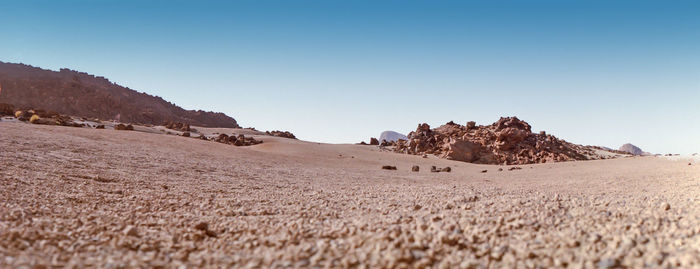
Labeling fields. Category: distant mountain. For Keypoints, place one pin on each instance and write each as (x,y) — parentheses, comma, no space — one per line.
(80,94)
(632,149)
(390,136)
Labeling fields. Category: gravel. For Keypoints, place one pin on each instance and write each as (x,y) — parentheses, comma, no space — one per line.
(102,198)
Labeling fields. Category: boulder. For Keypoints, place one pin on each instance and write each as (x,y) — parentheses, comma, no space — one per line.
(373,141)
(462,150)
(120,127)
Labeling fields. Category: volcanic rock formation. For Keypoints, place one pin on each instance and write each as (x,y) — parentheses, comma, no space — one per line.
(391,136)
(631,149)
(80,94)
(507,141)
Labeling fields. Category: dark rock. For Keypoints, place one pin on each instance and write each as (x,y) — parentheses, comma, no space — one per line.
(484,171)
(373,141)
(284,134)
(202,226)
(415,168)
(186,134)
(446,169)
(389,167)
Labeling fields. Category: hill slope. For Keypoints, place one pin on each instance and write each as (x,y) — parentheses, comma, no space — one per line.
(81,94)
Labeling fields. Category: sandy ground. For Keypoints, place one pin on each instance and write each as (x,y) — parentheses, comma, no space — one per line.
(103,198)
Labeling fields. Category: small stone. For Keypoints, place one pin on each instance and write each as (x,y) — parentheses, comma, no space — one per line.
(211,233)
(131,231)
(415,168)
(665,206)
(446,169)
(202,226)
(609,263)
(500,169)
(484,171)
(434,169)
(389,167)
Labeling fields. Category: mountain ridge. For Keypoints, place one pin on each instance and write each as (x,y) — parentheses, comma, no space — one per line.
(81,94)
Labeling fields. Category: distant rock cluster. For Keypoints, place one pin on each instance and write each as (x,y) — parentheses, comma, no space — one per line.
(240,140)
(507,141)
(38,116)
(285,134)
(178,126)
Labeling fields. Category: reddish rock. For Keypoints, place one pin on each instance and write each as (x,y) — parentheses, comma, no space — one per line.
(373,141)
(507,141)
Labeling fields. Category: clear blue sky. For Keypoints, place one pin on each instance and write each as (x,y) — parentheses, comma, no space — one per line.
(591,72)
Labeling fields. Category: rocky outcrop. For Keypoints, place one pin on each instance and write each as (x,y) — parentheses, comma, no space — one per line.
(79,94)
(631,149)
(284,134)
(507,141)
(373,141)
(240,140)
(45,118)
(179,126)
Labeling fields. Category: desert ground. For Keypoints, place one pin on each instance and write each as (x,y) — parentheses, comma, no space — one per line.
(80,197)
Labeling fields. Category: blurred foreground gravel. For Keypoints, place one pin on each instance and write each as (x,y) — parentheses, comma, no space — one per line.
(103,198)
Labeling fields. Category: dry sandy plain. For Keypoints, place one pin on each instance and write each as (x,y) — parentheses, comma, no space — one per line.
(103,198)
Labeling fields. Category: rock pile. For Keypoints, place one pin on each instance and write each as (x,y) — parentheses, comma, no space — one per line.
(238,141)
(178,126)
(507,141)
(284,134)
(44,117)
(122,127)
